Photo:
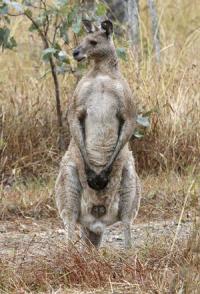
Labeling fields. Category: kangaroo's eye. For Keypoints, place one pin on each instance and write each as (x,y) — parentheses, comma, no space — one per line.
(93,42)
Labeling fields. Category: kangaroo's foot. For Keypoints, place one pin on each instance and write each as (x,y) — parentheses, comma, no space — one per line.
(91,238)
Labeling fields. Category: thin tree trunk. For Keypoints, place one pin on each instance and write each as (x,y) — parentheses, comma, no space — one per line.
(133,22)
(61,141)
(117,11)
(154,27)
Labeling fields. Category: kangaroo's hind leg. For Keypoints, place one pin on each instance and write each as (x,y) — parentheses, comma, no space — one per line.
(130,193)
(68,195)
(90,237)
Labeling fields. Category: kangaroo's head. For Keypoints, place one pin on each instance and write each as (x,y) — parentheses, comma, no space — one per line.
(98,44)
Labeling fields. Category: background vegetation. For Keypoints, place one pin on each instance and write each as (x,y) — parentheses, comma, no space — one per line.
(32,142)
(29,130)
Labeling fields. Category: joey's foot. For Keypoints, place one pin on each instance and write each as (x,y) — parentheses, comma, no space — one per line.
(100,181)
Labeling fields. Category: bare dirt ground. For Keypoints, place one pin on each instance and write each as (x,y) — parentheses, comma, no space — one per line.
(28,237)
(34,257)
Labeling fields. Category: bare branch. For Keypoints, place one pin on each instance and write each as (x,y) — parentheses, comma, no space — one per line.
(42,35)
(56,26)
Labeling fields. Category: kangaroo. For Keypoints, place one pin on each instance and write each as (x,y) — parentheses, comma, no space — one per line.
(97,184)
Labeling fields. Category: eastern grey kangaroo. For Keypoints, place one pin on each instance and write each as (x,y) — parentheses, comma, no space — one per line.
(97,184)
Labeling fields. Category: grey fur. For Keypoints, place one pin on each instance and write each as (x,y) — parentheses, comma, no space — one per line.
(102,117)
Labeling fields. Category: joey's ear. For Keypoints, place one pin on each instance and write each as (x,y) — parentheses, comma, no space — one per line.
(88,25)
(107,26)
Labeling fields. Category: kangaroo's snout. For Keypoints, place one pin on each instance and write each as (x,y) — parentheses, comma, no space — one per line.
(78,54)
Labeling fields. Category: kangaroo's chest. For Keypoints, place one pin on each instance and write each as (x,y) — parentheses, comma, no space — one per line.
(102,96)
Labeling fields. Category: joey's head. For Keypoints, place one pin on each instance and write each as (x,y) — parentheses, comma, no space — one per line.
(98,44)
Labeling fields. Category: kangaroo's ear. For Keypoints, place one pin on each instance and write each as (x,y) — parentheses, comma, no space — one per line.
(107,26)
(88,25)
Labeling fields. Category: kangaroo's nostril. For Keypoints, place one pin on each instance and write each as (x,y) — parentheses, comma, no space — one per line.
(76,52)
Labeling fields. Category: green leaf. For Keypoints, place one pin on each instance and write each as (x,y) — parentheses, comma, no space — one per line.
(47,53)
(76,26)
(28,12)
(121,53)
(11,43)
(3,9)
(63,31)
(32,28)
(41,19)
(2,143)
(149,112)
(4,34)
(62,56)
(57,47)
(138,134)
(5,40)
(51,11)
(63,68)
(101,9)
(143,121)
(71,15)
(7,19)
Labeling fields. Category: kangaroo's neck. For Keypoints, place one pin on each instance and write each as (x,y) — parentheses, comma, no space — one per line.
(107,64)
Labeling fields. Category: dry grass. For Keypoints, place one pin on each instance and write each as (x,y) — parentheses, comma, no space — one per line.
(105,271)
(28,144)
(161,265)
(164,194)
(33,199)
(162,198)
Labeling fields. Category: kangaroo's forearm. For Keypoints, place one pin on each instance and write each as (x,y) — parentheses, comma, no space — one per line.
(124,136)
(78,136)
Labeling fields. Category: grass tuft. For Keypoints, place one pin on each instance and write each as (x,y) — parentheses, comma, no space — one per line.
(70,269)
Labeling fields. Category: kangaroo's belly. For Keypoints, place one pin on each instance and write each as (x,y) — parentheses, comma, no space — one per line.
(101,131)
(100,143)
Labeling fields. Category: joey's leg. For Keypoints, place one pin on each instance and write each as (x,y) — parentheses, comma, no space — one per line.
(129,199)
(68,191)
(90,237)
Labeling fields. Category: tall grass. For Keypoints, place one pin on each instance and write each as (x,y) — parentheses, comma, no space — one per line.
(64,270)
(28,131)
